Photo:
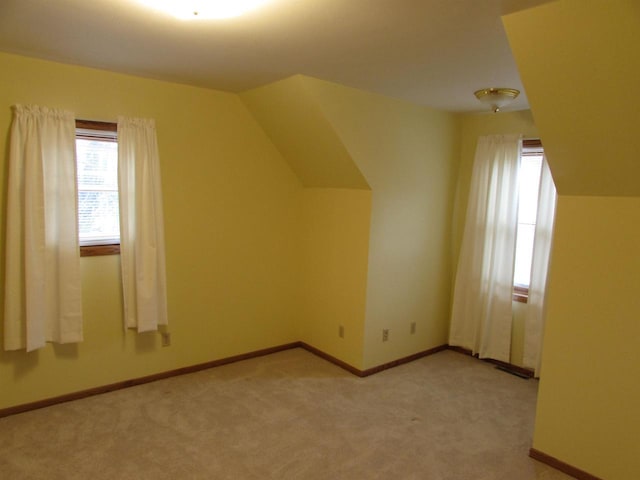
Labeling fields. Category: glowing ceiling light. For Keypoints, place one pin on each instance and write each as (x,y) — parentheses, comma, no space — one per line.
(204,9)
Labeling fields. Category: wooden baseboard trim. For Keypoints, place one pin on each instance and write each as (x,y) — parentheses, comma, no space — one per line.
(526,372)
(560,465)
(401,361)
(331,359)
(373,370)
(5,412)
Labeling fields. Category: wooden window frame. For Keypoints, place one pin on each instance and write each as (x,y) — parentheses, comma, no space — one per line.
(531,143)
(98,250)
(520,294)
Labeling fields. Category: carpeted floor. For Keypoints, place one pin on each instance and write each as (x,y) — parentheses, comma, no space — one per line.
(289,415)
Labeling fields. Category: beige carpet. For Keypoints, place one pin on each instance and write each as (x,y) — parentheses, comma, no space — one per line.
(290,415)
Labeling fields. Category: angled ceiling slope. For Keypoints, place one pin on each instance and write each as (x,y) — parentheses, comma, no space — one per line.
(295,124)
(581,73)
(433,53)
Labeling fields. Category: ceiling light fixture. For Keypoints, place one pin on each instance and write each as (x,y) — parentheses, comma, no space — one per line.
(204,9)
(497,98)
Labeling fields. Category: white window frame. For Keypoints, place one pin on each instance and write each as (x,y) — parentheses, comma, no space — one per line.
(530,147)
(102,131)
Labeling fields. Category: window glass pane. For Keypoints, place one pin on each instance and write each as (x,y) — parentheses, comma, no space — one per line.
(98,211)
(524,254)
(98,215)
(97,164)
(528,184)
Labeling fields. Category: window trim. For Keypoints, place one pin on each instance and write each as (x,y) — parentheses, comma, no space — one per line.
(112,248)
(520,293)
(532,143)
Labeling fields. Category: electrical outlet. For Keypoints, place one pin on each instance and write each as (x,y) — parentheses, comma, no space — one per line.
(385,334)
(166,339)
(413,328)
(341,331)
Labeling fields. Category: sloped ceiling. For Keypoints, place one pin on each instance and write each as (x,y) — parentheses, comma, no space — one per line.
(292,119)
(428,52)
(580,65)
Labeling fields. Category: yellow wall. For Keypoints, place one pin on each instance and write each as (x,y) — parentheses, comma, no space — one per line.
(254,259)
(232,218)
(335,252)
(589,391)
(408,155)
(335,218)
(472,126)
(581,80)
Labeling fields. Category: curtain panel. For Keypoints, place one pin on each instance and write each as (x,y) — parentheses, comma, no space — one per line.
(142,250)
(543,237)
(43,293)
(481,315)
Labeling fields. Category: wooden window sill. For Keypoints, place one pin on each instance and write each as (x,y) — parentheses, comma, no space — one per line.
(520,294)
(98,250)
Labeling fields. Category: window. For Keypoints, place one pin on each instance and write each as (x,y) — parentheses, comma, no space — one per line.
(528,189)
(97,172)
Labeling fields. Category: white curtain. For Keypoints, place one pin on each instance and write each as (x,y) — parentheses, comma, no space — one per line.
(534,318)
(142,252)
(43,300)
(481,316)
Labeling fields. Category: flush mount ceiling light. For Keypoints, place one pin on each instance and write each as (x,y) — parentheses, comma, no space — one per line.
(204,9)
(497,98)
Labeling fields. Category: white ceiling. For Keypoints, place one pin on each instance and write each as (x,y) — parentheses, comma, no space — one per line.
(429,52)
